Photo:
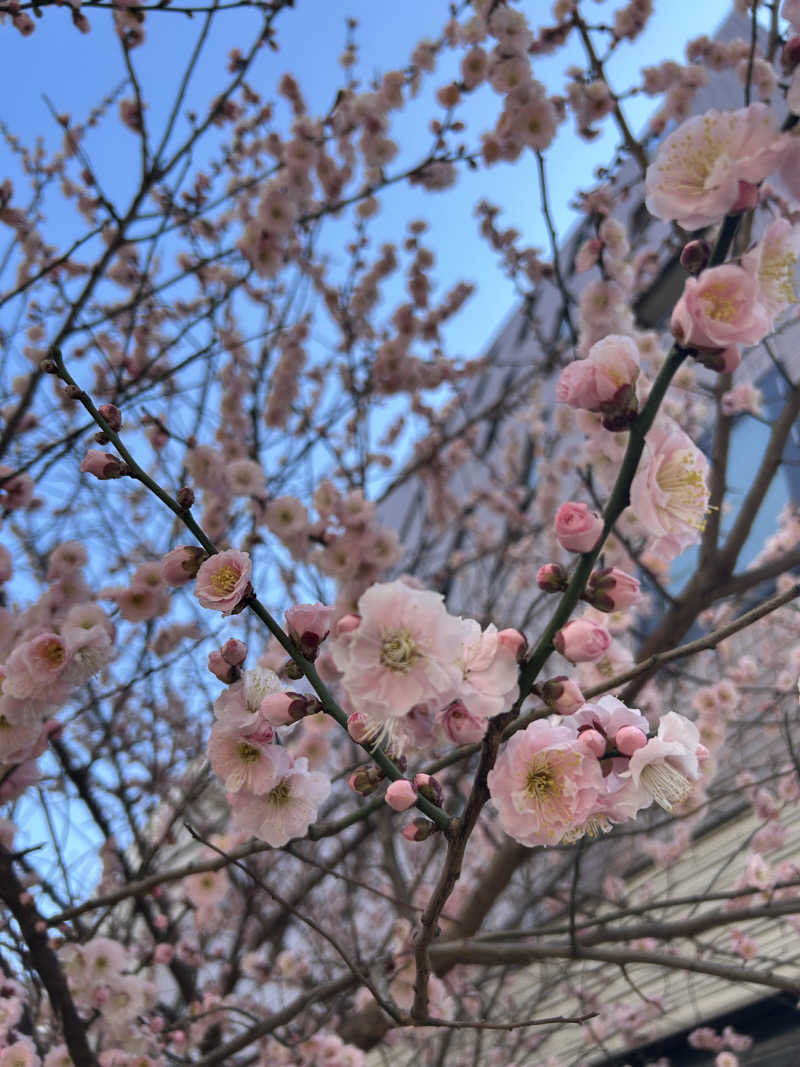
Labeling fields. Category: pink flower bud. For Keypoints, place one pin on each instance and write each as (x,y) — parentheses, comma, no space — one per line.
(603,382)
(234,652)
(611,589)
(630,739)
(460,725)
(419,830)
(562,695)
(103,465)
(182,564)
(282,709)
(720,360)
(429,788)
(220,668)
(515,642)
(551,578)
(593,741)
(577,528)
(111,414)
(582,641)
(747,198)
(347,624)
(308,625)
(401,795)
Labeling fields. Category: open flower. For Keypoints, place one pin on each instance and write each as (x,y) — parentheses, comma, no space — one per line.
(720,309)
(544,784)
(223,580)
(669,763)
(669,494)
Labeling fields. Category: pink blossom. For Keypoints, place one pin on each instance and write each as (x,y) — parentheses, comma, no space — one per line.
(223,580)
(403,652)
(670,762)
(582,641)
(287,810)
(34,665)
(242,762)
(543,784)
(630,739)
(65,559)
(577,528)
(490,671)
(603,382)
(771,263)
(720,309)
(740,399)
(669,495)
(696,176)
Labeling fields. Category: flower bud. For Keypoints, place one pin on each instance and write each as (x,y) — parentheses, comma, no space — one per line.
(419,830)
(234,652)
(221,669)
(357,727)
(181,564)
(551,578)
(695,256)
(103,465)
(283,709)
(185,497)
(515,642)
(460,725)
(112,415)
(429,788)
(630,739)
(562,695)
(577,528)
(308,626)
(365,779)
(611,589)
(582,641)
(593,741)
(401,795)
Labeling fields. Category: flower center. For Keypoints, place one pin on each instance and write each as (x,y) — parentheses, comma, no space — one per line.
(776,274)
(718,303)
(666,785)
(53,653)
(399,651)
(682,481)
(224,581)
(279,795)
(541,783)
(248,753)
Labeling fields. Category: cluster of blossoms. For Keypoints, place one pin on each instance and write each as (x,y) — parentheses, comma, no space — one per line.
(273,795)
(47,651)
(579,774)
(413,674)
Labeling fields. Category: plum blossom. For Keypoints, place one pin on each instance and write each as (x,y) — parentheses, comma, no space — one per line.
(223,580)
(700,167)
(670,762)
(604,381)
(490,671)
(669,494)
(577,527)
(772,264)
(544,784)
(287,810)
(244,762)
(582,641)
(402,653)
(721,308)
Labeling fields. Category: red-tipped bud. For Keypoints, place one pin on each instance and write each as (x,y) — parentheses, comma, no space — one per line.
(357,727)
(283,709)
(515,642)
(185,497)
(401,795)
(551,578)
(347,624)
(562,695)
(103,465)
(181,564)
(308,626)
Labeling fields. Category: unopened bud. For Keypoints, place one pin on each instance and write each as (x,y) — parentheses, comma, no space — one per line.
(101,437)
(293,671)
(562,695)
(695,256)
(429,788)
(111,414)
(365,779)
(48,366)
(234,652)
(73,392)
(401,795)
(551,578)
(185,498)
(419,830)
(221,669)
